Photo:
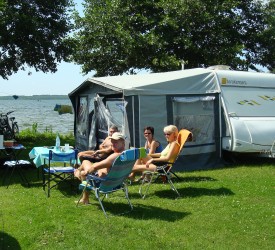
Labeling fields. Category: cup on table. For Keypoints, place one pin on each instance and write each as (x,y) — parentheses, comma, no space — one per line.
(67,147)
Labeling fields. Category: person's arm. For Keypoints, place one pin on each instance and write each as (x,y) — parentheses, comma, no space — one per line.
(155,155)
(106,163)
(86,153)
(154,145)
(105,143)
(106,150)
(174,149)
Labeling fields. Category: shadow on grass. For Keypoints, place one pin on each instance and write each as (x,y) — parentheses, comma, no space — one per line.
(67,188)
(13,175)
(193,192)
(175,180)
(247,159)
(151,212)
(181,179)
(195,179)
(8,242)
(143,212)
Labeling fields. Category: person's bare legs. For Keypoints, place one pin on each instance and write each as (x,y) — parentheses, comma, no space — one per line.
(85,197)
(143,167)
(81,174)
(139,162)
(77,172)
(83,170)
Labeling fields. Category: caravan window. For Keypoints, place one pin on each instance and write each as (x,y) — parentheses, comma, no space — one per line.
(197,115)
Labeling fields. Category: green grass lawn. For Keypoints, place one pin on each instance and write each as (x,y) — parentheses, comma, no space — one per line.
(229,208)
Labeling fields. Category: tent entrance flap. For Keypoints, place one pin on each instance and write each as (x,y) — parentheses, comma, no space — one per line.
(108,112)
(82,116)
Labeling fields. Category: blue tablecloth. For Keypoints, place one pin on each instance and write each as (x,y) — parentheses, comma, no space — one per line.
(38,154)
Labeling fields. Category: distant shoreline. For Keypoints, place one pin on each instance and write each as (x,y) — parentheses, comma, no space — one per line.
(36,97)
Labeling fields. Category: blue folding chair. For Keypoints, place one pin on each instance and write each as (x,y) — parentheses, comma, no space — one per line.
(52,175)
(115,180)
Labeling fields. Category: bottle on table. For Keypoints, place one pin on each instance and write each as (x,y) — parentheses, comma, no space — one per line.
(57,143)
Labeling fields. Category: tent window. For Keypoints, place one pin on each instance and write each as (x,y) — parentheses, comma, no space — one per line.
(112,112)
(91,105)
(197,115)
(117,109)
(82,116)
(194,99)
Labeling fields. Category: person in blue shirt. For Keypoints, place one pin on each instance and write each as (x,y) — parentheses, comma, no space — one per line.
(151,145)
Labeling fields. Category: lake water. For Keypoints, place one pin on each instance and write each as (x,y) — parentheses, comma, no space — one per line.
(29,112)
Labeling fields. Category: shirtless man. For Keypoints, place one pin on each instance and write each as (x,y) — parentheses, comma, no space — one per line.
(102,168)
(105,149)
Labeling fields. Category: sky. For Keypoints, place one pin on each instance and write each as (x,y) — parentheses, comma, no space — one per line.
(66,79)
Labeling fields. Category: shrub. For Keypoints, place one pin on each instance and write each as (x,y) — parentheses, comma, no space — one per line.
(32,138)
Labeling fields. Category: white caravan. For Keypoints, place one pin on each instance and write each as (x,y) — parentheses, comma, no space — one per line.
(248,101)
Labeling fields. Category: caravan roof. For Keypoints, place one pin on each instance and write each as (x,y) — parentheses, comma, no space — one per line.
(245,79)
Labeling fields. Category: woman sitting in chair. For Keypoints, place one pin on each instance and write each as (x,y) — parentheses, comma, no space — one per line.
(169,154)
(151,145)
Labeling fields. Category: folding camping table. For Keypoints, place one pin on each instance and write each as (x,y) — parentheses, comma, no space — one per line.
(13,163)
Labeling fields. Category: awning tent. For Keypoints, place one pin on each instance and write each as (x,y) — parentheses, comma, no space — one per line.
(190,99)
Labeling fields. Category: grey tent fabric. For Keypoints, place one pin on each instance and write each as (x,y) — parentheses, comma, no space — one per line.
(225,110)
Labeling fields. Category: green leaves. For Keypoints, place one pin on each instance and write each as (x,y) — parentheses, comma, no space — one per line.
(32,34)
(115,37)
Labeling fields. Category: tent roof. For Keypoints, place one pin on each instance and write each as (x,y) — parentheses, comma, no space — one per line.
(190,81)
